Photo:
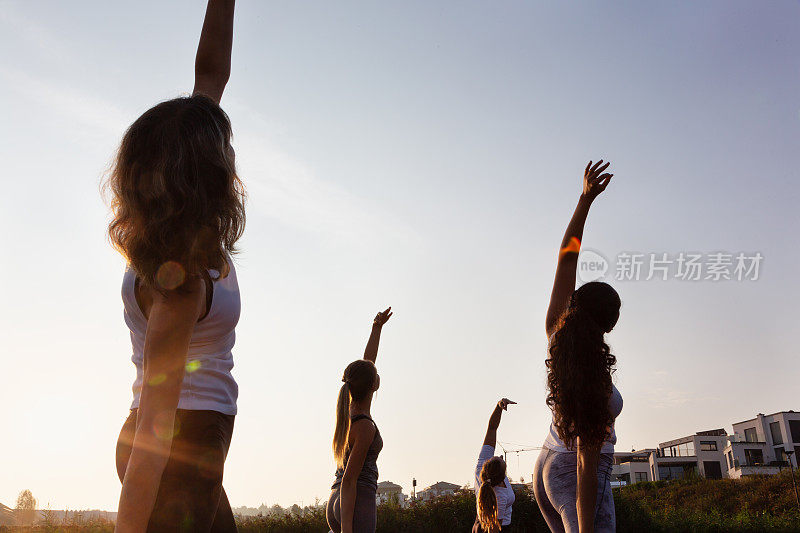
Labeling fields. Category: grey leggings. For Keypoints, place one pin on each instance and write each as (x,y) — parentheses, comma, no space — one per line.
(555,482)
(365,514)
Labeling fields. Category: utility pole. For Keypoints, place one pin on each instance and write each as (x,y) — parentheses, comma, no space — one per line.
(794,483)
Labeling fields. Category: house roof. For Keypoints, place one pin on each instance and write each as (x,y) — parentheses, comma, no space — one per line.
(388,485)
(789,412)
(443,485)
(7,517)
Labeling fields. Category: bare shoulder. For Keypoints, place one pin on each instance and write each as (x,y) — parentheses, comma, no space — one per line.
(362,429)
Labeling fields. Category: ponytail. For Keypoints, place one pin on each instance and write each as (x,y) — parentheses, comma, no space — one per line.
(360,379)
(342,431)
(492,473)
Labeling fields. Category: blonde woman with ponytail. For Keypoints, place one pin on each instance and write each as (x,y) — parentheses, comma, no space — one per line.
(357,443)
(493,491)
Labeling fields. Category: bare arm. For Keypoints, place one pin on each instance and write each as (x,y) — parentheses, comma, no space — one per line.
(588,460)
(169,329)
(363,432)
(594,182)
(212,65)
(494,422)
(371,351)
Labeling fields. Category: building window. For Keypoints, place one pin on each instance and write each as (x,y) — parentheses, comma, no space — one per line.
(730,460)
(794,428)
(708,445)
(750,435)
(675,471)
(753,457)
(684,449)
(775,429)
(640,476)
(712,469)
(780,454)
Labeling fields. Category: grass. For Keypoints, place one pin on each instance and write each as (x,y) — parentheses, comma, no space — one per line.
(756,504)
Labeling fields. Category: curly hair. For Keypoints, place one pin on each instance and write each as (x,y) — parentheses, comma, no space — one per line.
(175,196)
(493,473)
(580,365)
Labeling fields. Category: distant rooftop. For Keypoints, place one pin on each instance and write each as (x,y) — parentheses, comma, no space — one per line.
(762,414)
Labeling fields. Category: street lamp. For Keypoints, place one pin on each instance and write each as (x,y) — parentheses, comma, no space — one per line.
(794,483)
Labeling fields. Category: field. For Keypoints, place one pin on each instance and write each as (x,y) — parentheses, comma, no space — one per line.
(750,505)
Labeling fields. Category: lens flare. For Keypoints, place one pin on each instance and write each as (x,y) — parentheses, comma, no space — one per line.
(191,366)
(170,275)
(158,379)
(573,246)
(164,428)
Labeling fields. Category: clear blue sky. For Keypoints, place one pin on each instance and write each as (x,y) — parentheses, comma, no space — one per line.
(421,155)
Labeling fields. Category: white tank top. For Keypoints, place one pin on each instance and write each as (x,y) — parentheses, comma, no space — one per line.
(553,442)
(207,382)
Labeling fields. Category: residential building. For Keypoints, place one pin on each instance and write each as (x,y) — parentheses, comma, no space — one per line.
(441,488)
(764,444)
(761,445)
(388,491)
(701,453)
(632,467)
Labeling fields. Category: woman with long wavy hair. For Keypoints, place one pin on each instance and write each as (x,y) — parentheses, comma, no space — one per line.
(494,494)
(572,474)
(178,210)
(357,442)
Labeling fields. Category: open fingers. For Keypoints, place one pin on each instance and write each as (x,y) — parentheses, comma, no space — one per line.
(594,168)
(604,180)
(597,172)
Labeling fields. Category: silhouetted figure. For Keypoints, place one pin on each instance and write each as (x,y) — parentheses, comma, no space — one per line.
(178,212)
(493,491)
(357,442)
(572,473)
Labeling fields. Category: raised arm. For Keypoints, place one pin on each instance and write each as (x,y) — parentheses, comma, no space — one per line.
(170,324)
(594,182)
(212,65)
(494,422)
(371,351)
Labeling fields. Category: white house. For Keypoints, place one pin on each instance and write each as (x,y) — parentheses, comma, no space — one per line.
(761,445)
(441,488)
(387,491)
(632,467)
(764,444)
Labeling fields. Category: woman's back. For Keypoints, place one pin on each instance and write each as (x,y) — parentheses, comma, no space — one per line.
(369,472)
(208,383)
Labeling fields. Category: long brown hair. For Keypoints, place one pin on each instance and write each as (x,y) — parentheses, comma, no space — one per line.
(175,195)
(493,473)
(580,365)
(359,381)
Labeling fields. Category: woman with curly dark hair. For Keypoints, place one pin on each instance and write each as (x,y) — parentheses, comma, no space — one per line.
(178,210)
(572,474)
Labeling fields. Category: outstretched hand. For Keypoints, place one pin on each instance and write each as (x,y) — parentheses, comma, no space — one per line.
(594,181)
(504,403)
(382,317)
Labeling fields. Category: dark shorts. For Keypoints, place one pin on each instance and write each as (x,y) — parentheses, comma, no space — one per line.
(190,496)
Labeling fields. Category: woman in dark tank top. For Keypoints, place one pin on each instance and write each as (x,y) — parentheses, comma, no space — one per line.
(357,443)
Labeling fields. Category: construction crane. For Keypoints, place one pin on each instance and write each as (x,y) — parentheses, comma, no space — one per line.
(518,450)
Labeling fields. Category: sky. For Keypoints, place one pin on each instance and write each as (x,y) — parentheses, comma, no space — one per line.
(423,155)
